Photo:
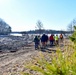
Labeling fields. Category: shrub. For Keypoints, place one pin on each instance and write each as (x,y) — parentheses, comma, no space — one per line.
(61,63)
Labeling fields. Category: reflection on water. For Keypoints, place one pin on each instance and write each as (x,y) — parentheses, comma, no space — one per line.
(32,35)
(15,34)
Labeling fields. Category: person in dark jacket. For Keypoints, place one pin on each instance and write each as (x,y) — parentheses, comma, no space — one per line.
(36,40)
(44,40)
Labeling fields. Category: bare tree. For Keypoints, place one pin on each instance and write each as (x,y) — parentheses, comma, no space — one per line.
(71,25)
(39,25)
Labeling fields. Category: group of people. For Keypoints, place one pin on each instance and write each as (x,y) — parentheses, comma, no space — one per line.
(42,41)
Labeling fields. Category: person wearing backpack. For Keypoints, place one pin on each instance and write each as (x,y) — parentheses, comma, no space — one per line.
(44,40)
(61,38)
(36,40)
(51,38)
(56,40)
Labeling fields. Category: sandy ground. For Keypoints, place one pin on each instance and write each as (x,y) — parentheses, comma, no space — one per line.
(9,60)
(11,63)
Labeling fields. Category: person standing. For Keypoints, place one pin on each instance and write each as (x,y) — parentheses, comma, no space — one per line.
(36,40)
(61,38)
(56,40)
(43,40)
(51,40)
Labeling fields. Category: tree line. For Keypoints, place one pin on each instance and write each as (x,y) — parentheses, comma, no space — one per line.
(39,28)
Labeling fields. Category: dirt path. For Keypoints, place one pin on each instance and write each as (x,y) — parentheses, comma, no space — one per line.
(9,60)
(6,58)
